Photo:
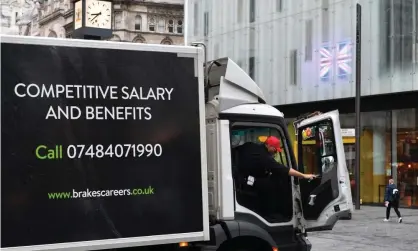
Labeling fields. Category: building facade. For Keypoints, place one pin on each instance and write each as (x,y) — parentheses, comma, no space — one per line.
(155,22)
(149,22)
(15,14)
(302,53)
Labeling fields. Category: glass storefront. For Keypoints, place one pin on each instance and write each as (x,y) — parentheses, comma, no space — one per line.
(389,149)
(350,158)
(406,161)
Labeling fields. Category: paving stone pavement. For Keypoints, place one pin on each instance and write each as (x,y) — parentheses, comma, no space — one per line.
(367,231)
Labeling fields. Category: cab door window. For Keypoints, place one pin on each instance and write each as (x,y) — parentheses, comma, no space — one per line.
(267,195)
(318,149)
(317,155)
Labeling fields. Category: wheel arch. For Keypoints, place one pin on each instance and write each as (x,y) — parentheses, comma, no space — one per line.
(230,232)
(250,243)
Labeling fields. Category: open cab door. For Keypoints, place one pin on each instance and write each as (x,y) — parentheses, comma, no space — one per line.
(320,151)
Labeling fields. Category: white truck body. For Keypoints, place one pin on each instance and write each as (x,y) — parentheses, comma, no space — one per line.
(232,107)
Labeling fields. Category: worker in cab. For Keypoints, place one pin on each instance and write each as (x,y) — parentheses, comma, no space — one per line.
(257,160)
(262,182)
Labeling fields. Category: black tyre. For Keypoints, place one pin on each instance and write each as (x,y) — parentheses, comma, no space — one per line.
(236,246)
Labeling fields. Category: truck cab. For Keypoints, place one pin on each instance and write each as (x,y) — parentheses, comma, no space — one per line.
(279,216)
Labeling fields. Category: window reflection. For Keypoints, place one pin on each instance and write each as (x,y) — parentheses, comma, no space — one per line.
(389,148)
(400,38)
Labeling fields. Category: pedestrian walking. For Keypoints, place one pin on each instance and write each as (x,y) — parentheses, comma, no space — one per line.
(392,200)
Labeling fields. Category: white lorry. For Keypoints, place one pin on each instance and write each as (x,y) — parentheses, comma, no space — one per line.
(110,145)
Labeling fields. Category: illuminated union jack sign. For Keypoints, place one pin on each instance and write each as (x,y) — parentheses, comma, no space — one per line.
(342,60)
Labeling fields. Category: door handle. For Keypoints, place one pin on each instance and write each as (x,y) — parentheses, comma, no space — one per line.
(317,177)
(312,198)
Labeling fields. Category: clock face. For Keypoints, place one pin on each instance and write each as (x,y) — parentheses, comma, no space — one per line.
(78,11)
(99,14)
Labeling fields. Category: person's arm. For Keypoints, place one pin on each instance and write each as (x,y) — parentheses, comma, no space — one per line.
(386,194)
(293,172)
(272,164)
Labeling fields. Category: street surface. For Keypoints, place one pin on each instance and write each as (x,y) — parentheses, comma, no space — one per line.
(367,231)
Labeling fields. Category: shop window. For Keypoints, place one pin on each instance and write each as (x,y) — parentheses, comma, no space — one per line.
(389,149)
(405,159)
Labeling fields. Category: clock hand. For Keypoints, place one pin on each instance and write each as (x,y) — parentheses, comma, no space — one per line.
(94,18)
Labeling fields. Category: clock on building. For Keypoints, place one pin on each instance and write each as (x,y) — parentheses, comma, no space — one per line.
(93,19)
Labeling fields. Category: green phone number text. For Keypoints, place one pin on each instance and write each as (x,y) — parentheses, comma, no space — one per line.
(44,152)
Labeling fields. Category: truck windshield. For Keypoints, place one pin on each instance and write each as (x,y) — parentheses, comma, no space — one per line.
(244,134)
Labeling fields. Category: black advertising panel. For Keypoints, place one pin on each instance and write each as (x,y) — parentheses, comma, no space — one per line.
(98,144)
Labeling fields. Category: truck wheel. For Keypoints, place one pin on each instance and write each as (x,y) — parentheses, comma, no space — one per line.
(245,244)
